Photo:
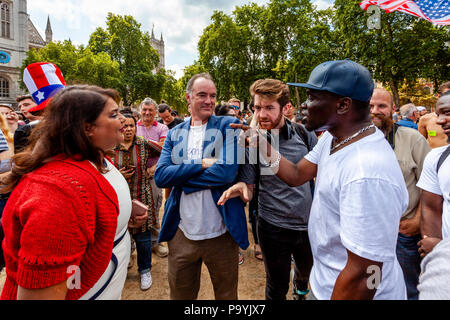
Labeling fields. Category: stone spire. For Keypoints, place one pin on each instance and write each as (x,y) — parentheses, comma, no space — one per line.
(162,38)
(48,31)
(153,34)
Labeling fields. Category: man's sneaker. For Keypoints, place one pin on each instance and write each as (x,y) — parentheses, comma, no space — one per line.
(299,294)
(146,281)
(160,250)
(241,258)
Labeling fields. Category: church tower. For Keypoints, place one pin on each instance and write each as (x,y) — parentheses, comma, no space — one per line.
(48,32)
(158,45)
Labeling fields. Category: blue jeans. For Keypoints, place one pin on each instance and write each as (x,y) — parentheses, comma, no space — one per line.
(144,251)
(409,259)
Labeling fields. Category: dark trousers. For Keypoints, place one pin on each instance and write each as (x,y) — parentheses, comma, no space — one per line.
(144,251)
(277,246)
(253,220)
(409,259)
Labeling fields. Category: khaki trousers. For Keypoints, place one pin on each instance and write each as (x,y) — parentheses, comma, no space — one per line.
(220,256)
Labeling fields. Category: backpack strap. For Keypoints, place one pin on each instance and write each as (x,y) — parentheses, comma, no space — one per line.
(391,135)
(442,158)
(302,133)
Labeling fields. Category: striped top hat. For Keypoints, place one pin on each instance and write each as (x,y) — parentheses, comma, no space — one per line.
(43,80)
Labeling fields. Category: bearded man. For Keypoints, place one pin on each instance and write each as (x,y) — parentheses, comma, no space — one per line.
(283,212)
(410,148)
(359,193)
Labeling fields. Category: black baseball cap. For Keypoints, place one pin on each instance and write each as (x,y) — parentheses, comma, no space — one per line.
(343,77)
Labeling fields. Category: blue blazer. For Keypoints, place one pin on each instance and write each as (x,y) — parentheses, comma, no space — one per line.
(175,171)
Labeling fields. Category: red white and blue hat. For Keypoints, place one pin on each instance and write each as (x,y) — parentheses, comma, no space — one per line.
(43,80)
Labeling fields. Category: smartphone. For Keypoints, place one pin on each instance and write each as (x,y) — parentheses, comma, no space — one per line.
(138,208)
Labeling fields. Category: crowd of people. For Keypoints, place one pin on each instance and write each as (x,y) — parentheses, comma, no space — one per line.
(348,195)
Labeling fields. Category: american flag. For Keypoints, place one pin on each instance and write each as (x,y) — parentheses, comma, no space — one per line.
(435,11)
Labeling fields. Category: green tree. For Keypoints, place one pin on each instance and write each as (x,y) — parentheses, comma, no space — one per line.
(418,93)
(78,65)
(404,48)
(173,93)
(284,39)
(298,38)
(130,47)
(219,49)
(189,72)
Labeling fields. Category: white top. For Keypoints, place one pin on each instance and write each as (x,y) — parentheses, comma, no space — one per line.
(200,218)
(123,250)
(359,198)
(438,183)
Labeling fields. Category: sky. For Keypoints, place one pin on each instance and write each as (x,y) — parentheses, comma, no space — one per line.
(181,22)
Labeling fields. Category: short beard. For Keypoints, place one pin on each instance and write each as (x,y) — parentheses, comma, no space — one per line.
(386,122)
(276,122)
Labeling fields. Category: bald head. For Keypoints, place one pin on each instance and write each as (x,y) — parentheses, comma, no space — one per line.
(385,95)
(381,108)
(381,102)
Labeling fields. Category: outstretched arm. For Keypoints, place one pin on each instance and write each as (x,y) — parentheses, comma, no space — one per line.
(293,174)
(296,174)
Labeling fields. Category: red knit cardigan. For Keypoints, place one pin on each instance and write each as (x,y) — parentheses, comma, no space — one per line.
(62,215)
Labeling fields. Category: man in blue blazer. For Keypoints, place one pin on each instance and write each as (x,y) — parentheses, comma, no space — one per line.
(200,160)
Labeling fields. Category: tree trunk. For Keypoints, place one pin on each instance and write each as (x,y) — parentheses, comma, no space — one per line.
(392,83)
(297,94)
(394,89)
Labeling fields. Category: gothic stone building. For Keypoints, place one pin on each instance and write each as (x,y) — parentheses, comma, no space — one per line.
(158,45)
(17,36)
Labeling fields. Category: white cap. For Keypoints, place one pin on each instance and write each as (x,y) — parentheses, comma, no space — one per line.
(421,109)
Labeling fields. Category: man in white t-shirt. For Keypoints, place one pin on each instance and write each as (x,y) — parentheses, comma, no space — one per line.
(410,148)
(360,193)
(435,185)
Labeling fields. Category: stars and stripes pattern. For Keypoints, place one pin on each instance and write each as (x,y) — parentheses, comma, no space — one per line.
(43,80)
(435,11)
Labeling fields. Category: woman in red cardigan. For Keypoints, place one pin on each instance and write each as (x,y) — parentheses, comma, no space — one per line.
(66,220)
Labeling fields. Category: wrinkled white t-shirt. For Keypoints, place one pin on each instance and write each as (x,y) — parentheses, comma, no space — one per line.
(438,183)
(199,217)
(359,198)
